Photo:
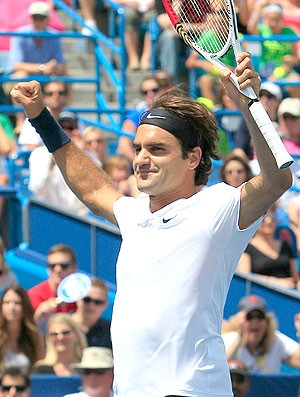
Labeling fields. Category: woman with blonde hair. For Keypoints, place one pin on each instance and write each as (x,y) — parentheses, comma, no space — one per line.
(21,343)
(64,345)
(251,336)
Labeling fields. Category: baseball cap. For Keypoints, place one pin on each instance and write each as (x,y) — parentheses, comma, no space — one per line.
(95,358)
(39,8)
(273,8)
(252,302)
(237,367)
(67,116)
(272,88)
(289,105)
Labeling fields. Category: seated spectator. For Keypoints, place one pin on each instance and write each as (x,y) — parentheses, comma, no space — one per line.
(95,143)
(269,257)
(208,75)
(15,383)
(21,343)
(289,124)
(45,178)
(64,345)
(96,369)
(274,52)
(149,88)
(35,55)
(239,378)
(89,312)
(235,170)
(7,277)
(118,168)
(57,97)
(170,47)
(250,336)
(61,261)
(137,13)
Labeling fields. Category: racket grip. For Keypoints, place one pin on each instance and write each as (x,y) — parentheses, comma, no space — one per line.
(264,123)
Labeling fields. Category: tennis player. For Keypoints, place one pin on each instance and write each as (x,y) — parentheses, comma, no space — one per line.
(180,243)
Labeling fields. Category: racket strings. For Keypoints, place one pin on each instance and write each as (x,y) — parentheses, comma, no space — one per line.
(207,23)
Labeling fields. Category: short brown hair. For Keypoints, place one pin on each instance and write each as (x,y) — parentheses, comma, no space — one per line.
(64,248)
(203,125)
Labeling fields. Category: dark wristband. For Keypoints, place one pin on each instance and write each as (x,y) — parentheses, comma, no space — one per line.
(53,136)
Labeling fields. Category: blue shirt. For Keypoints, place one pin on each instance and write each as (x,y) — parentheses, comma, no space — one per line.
(25,49)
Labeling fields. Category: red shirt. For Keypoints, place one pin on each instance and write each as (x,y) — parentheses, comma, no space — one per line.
(42,292)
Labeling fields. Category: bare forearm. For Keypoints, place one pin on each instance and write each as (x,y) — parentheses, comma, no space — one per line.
(88,182)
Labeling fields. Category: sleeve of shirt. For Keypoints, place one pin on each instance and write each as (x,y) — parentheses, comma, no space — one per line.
(288,345)
(15,53)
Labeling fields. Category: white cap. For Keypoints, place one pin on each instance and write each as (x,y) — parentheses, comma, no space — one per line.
(39,8)
(291,106)
(273,8)
(272,88)
(95,358)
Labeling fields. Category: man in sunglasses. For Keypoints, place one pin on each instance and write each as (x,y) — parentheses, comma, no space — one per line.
(14,383)
(96,370)
(35,55)
(57,98)
(251,337)
(61,261)
(45,180)
(239,378)
(89,314)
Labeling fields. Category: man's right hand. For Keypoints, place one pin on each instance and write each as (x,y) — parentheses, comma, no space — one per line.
(29,95)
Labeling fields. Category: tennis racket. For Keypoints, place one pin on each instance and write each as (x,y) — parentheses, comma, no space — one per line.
(209,27)
(73,288)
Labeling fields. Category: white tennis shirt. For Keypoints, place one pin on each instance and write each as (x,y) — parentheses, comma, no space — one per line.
(173,274)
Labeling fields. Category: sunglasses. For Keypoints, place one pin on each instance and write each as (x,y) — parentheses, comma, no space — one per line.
(63,333)
(154,90)
(93,140)
(96,371)
(98,302)
(51,93)
(38,17)
(230,172)
(288,116)
(237,378)
(64,266)
(266,94)
(17,387)
(67,127)
(257,316)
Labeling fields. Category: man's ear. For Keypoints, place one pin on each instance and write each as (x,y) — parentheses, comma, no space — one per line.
(195,156)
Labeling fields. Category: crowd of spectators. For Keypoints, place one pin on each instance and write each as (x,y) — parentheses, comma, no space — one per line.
(39,334)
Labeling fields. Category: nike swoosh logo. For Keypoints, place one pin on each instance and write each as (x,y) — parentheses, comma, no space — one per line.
(154,116)
(168,219)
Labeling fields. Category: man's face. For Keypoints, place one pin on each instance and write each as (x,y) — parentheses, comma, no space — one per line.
(60,265)
(158,164)
(56,96)
(291,124)
(97,383)
(39,22)
(14,386)
(94,303)
(240,384)
(95,144)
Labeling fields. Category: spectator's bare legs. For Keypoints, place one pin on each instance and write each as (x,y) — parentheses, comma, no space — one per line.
(132,47)
(145,58)
(87,8)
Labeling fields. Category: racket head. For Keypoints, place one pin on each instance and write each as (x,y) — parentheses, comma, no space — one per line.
(73,287)
(206,26)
